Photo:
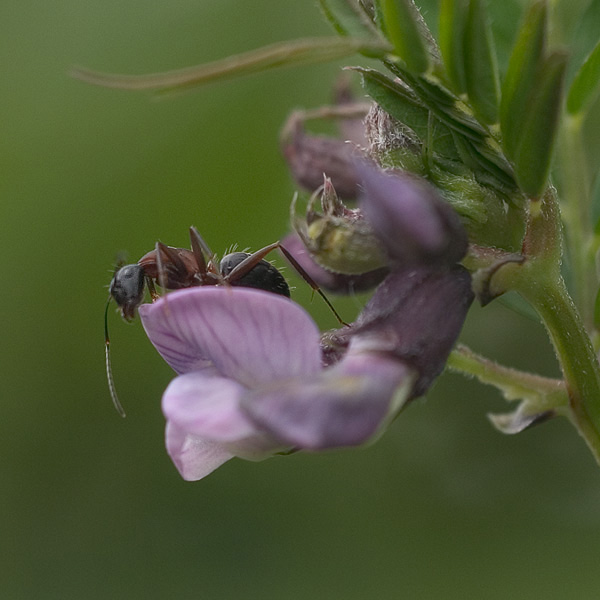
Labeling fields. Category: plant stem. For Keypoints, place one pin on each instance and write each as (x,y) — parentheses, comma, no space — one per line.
(539,281)
(544,392)
(575,353)
(576,191)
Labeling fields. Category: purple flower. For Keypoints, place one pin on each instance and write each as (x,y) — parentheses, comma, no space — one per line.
(251,381)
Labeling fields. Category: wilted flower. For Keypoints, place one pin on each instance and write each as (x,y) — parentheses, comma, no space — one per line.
(311,156)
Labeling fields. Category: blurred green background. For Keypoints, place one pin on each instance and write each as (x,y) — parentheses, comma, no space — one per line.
(91,507)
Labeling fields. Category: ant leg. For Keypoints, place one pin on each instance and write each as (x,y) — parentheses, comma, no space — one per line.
(160,265)
(206,271)
(251,261)
(310,281)
(154,295)
(200,250)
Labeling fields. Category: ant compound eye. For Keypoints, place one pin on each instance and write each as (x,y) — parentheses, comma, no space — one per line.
(263,275)
(127,288)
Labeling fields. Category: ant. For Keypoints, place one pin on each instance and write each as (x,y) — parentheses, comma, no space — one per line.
(177,268)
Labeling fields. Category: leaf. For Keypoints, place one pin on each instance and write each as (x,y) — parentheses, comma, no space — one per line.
(539,126)
(296,52)
(443,103)
(403,25)
(453,21)
(514,302)
(520,80)
(489,166)
(585,37)
(481,68)
(595,202)
(348,19)
(597,310)
(405,107)
(586,85)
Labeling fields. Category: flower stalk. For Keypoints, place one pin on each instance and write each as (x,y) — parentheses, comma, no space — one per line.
(539,281)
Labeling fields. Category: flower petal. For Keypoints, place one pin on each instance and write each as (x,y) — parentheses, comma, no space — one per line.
(193,456)
(412,221)
(416,315)
(206,406)
(344,406)
(244,334)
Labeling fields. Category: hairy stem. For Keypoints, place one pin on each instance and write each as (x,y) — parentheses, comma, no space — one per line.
(544,392)
(577,215)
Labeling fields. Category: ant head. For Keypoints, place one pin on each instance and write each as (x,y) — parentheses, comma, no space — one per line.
(127,289)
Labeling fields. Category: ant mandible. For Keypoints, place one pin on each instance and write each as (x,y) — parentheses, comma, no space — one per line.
(177,268)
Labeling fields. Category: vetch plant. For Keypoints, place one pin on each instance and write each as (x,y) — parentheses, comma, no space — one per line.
(455,179)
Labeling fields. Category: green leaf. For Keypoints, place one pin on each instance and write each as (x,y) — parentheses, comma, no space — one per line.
(586,85)
(405,107)
(488,164)
(584,37)
(514,302)
(541,113)
(295,52)
(348,19)
(597,310)
(403,25)
(595,202)
(520,81)
(453,22)
(481,68)
(442,103)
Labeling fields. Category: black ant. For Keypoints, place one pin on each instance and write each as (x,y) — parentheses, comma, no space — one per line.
(178,268)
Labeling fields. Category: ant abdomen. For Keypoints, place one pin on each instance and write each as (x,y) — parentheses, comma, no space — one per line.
(262,276)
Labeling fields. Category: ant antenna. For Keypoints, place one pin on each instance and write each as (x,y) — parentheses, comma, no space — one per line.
(109,374)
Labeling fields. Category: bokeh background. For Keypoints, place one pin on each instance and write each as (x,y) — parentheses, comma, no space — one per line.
(91,507)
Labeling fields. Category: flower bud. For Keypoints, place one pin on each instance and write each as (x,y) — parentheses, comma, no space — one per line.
(337,283)
(412,222)
(311,156)
(339,239)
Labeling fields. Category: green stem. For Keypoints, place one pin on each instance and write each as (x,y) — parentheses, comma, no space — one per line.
(543,392)
(575,353)
(580,234)
(539,281)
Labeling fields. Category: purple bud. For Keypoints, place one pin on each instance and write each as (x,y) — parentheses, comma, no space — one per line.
(311,156)
(410,218)
(352,129)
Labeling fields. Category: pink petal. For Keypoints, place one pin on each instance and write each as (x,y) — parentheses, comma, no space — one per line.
(194,457)
(245,334)
(346,405)
(206,406)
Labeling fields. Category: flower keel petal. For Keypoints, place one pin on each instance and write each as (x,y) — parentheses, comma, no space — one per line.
(345,406)
(194,457)
(207,407)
